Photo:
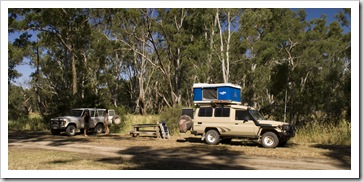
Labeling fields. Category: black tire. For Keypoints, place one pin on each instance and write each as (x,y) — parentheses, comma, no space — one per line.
(55,132)
(99,129)
(212,137)
(269,140)
(71,130)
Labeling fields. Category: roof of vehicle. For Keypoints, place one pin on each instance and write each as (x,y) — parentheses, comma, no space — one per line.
(207,85)
(91,109)
(235,106)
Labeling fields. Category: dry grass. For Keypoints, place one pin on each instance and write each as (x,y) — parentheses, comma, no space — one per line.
(326,134)
(131,119)
(42,159)
(34,121)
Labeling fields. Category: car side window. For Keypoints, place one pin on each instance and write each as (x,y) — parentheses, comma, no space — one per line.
(101,113)
(221,112)
(205,112)
(242,115)
(111,112)
(92,113)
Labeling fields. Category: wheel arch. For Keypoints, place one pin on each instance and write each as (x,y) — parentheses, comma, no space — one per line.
(212,128)
(264,130)
(74,124)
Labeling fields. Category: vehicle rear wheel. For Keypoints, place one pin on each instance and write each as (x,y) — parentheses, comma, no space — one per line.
(212,137)
(71,130)
(55,132)
(98,129)
(269,140)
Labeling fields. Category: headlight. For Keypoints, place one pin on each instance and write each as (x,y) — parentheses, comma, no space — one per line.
(62,122)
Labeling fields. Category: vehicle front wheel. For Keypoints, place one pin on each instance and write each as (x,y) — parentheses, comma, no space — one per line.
(71,130)
(212,137)
(269,140)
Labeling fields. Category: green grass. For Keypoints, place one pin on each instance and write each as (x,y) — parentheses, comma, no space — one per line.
(33,122)
(326,134)
(42,159)
(129,119)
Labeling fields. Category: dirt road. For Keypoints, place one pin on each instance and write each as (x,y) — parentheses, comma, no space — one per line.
(186,152)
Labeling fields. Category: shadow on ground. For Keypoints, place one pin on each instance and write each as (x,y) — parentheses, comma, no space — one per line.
(57,140)
(338,152)
(39,136)
(234,142)
(179,158)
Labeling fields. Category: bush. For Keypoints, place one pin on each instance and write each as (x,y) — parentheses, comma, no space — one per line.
(324,133)
(171,116)
(121,111)
(34,121)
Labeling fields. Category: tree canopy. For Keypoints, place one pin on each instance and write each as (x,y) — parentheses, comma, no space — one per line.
(147,59)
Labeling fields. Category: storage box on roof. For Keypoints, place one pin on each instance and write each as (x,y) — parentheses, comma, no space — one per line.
(223,92)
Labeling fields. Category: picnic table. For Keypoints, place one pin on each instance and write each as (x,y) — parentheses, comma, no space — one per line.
(157,130)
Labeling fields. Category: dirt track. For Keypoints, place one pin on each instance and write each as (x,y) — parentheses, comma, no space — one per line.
(185,152)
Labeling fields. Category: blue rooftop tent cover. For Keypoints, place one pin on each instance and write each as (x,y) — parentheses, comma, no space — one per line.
(222,92)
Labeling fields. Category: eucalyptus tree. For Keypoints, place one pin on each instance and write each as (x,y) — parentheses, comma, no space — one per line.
(71,31)
(227,24)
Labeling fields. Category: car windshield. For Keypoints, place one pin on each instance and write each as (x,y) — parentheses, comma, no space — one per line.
(74,112)
(256,115)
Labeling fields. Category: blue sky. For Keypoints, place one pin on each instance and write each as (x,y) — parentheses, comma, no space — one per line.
(25,69)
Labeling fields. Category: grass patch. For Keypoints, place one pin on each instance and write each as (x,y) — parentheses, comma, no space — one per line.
(129,119)
(41,159)
(34,121)
(326,134)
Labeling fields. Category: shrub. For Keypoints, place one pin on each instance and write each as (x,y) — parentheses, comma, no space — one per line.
(34,121)
(324,133)
(170,116)
(121,111)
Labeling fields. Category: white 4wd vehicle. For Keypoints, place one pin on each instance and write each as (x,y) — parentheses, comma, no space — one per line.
(223,122)
(73,121)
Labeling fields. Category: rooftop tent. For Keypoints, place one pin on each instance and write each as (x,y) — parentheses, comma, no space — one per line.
(208,93)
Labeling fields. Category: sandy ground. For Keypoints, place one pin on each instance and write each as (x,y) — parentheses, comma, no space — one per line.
(190,152)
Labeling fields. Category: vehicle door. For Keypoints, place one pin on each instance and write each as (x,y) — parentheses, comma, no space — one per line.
(111,114)
(223,120)
(244,125)
(100,116)
(92,122)
(202,119)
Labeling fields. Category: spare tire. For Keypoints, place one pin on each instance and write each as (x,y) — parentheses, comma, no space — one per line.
(116,119)
(185,123)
